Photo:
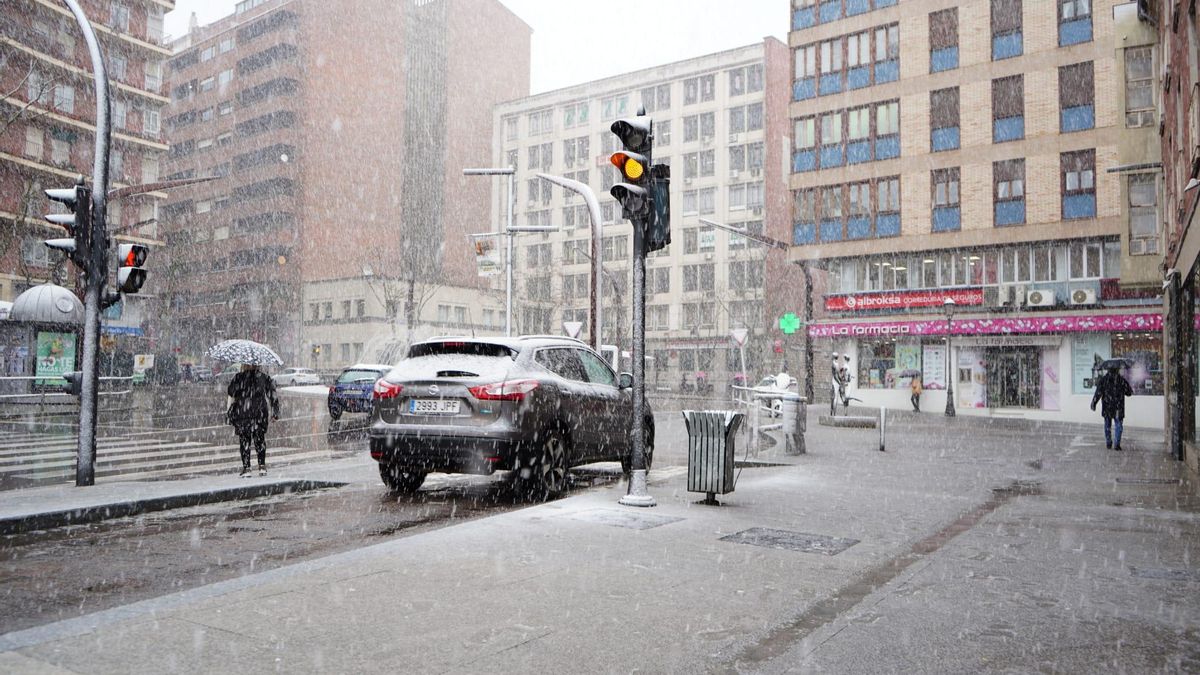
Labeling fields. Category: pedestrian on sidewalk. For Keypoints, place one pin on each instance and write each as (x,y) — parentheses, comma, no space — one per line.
(915,388)
(254,399)
(1111,391)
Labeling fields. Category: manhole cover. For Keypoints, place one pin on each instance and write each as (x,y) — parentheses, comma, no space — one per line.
(791,541)
(626,519)
(1165,574)
(1149,481)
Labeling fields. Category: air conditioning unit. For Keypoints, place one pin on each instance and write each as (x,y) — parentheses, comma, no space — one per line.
(1003,296)
(756,172)
(1018,294)
(756,210)
(733,139)
(1040,298)
(1083,296)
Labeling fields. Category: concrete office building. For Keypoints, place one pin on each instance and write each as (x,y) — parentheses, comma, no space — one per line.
(990,152)
(720,123)
(340,161)
(48,133)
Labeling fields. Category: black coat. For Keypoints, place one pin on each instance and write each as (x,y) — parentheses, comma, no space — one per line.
(254,400)
(1111,391)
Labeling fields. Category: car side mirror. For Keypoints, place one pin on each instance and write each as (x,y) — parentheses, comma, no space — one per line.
(625,381)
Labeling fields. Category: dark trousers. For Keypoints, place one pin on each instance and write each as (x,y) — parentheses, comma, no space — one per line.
(1108,430)
(255,434)
(916,401)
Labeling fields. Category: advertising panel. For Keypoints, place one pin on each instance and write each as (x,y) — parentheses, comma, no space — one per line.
(1088,352)
(55,357)
(487,255)
(854,302)
(933,366)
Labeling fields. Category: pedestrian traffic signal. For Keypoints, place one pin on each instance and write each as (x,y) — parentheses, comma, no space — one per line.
(78,223)
(130,275)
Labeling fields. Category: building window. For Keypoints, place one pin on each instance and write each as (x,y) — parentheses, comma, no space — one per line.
(119,17)
(832,151)
(541,122)
(832,228)
(1008,109)
(831,81)
(117,64)
(1007,38)
(805,210)
(1143,214)
(1078,184)
(708,87)
(943,119)
(804,86)
(943,40)
(887,54)
(887,130)
(1139,87)
(946,213)
(153,74)
(510,129)
(150,121)
(1008,192)
(60,151)
(1074,22)
(1076,97)
(1085,260)
(64,97)
(34,142)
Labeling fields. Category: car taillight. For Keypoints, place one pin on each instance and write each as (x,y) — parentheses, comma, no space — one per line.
(332,389)
(384,389)
(512,390)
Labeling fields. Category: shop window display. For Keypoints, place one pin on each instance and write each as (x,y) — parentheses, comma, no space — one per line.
(888,364)
(1143,352)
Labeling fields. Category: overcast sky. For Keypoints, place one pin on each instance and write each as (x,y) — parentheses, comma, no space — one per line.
(573,40)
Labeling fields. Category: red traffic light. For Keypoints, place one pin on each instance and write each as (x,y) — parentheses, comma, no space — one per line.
(132,255)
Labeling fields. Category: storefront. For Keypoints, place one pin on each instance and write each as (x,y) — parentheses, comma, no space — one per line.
(1042,367)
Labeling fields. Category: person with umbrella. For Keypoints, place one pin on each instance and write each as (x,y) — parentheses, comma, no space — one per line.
(253,393)
(1111,391)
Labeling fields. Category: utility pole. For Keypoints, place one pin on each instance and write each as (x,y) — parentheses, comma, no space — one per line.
(511,172)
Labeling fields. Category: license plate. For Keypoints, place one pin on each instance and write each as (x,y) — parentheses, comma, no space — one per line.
(433,406)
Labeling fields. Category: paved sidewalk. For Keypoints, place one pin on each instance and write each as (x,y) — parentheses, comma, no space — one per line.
(1009,549)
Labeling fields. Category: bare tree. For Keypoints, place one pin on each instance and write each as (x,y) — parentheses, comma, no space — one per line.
(15,106)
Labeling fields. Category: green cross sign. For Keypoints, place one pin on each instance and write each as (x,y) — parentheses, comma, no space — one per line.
(789,322)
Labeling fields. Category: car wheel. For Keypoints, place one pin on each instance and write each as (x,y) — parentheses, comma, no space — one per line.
(335,413)
(293,382)
(543,474)
(648,450)
(400,479)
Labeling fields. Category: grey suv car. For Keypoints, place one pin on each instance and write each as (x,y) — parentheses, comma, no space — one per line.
(535,405)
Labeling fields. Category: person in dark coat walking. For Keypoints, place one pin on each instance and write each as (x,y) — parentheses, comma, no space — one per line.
(254,399)
(1111,391)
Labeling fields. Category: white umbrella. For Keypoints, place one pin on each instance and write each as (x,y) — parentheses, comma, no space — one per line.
(244,351)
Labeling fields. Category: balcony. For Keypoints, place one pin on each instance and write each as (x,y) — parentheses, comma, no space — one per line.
(1007,129)
(1075,32)
(947,219)
(943,59)
(1010,212)
(1077,118)
(946,138)
(1081,205)
(1007,46)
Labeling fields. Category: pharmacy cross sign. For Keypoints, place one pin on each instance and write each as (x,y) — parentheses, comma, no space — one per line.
(788,323)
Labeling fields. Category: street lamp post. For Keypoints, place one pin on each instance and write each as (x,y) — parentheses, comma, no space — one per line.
(948,305)
(589,197)
(511,172)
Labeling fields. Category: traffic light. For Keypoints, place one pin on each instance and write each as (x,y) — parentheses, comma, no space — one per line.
(644,193)
(74,382)
(130,275)
(78,223)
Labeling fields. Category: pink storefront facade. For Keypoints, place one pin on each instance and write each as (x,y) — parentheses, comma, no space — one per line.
(1039,366)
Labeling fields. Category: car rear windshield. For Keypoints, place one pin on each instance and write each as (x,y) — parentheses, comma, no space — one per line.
(463,348)
(359,376)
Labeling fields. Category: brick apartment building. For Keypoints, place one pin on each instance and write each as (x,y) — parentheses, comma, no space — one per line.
(720,122)
(47,96)
(1177,82)
(340,165)
(998,153)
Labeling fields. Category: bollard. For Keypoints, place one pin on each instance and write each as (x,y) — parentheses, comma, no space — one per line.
(793,429)
(882,425)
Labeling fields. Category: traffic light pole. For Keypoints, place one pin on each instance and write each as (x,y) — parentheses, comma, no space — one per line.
(85,467)
(638,495)
(582,189)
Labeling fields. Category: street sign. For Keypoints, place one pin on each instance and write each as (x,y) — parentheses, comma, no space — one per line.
(789,323)
(739,336)
(573,328)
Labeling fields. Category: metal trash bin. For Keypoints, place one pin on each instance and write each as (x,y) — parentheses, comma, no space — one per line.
(710,450)
(794,414)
